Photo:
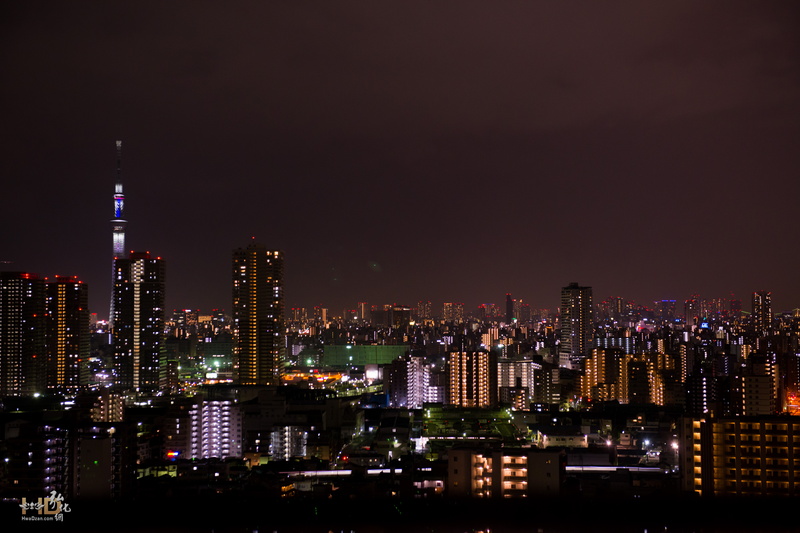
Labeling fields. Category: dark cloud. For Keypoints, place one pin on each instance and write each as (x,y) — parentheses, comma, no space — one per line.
(468,148)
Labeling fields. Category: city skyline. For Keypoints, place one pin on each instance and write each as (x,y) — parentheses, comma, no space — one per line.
(645,150)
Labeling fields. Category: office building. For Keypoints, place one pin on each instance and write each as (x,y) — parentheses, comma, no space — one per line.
(258,307)
(139,284)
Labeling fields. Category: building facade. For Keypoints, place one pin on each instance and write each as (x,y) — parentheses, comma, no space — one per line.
(756,456)
(23,356)
(68,333)
(472,378)
(576,324)
(138,331)
(762,311)
(504,473)
(258,315)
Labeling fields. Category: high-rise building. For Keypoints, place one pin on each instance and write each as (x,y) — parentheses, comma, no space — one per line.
(576,324)
(758,384)
(185,322)
(399,316)
(762,310)
(469,378)
(408,382)
(216,429)
(702,390)
(510,317)
(363,311)
(118,225)
(258,306)
(23,356)
(602,374)
(453,312)
(518,373)
(424,311)
(525,312)
(735,308)
(691,309)
(138,331)
(472,375)
(68,333)
(489,312)
(665,310)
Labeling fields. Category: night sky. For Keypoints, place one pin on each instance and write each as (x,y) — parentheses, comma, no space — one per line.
(405,151)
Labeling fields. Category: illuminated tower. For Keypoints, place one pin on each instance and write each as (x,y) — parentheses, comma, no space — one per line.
(139,283)
(118,224)
(258,314)
(576,324)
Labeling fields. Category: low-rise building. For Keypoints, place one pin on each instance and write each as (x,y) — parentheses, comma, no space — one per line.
(504,472)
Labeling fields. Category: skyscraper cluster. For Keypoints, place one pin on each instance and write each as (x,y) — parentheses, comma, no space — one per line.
(262,386)
(44,333)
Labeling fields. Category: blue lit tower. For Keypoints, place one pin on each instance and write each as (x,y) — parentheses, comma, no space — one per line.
(118,224)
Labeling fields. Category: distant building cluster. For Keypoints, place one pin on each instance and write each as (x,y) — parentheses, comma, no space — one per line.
(501,401)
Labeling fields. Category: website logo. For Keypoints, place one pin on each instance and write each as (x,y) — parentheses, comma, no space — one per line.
(47,509)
